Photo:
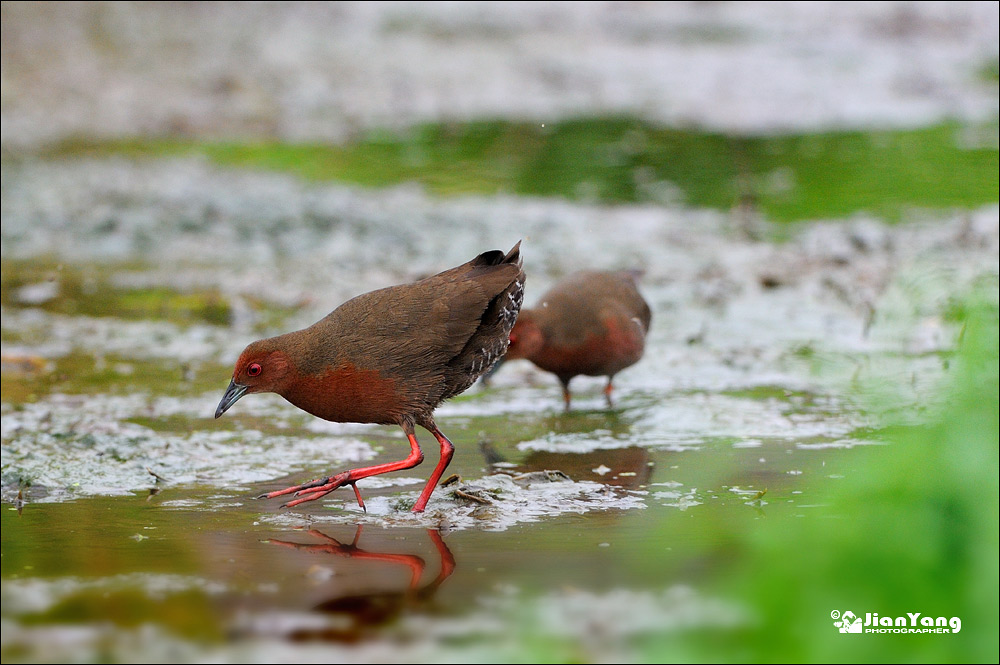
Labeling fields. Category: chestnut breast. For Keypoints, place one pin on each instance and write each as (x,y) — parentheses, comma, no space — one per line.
(592,323)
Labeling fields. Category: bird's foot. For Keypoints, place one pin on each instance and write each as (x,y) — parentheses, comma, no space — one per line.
(318,488)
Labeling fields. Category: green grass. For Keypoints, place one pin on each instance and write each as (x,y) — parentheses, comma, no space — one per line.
(622,160)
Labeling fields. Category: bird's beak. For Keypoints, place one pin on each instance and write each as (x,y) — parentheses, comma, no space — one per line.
(233,393)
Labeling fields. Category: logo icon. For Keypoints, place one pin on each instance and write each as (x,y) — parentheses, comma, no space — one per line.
(846,622)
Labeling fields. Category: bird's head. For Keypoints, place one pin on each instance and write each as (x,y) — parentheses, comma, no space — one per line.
(262,368)
(526,338)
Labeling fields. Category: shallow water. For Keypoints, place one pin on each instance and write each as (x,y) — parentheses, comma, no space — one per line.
(205,567)
(130,529)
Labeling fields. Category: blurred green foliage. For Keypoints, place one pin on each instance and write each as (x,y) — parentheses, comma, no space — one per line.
(989,71)
(912,527)
(623,160)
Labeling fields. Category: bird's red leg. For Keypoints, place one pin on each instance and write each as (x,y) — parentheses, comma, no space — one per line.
(447,451)
(319,488)
(607,393)
(447,558)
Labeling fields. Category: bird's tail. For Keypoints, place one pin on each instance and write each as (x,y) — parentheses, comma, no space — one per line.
(496,257)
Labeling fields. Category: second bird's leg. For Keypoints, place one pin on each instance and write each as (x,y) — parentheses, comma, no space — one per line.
(607,393)
(318,488)
(566,394)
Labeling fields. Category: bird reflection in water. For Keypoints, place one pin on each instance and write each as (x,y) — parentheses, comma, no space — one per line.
(361,612)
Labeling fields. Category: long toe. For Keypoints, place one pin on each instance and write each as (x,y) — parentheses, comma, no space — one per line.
(357,494)
(295,489)
(315,489)
(312,496)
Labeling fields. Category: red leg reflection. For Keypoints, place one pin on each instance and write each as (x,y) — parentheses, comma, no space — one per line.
(415,563)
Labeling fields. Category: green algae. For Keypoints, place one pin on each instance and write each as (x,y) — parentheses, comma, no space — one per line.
(781,393)
(87,374)
(886,173)
(122,559)
(80,290)
(88,290)
(184,613)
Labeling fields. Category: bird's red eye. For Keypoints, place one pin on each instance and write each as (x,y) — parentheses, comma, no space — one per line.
(253,369)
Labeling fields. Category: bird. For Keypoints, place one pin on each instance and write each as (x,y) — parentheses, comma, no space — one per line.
(390,356)
(592,322)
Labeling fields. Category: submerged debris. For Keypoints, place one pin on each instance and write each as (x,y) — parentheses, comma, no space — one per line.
(540,476)
(158,477)
(472,495)
(492,503)
(450,480)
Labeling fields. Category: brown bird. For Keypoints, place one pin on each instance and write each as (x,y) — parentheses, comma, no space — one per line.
(592,323)
(390,357)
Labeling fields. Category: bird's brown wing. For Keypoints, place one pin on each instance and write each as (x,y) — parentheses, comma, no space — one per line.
(425,334)
(503,283)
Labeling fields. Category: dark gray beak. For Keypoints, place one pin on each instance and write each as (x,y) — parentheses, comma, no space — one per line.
(233,393)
